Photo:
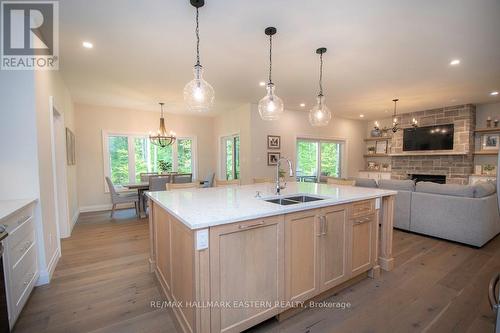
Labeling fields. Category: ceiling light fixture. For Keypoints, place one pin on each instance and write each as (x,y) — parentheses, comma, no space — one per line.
(320,114)
(455,62)
(87,45)
(361,116)
(262,83)
(395,124)
(302,105)
(162,138)
(198,93)
(271,106)
(494,93)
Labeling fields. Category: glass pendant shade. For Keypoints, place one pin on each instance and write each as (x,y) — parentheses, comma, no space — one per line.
(198,93)
(271,107)
(320,114)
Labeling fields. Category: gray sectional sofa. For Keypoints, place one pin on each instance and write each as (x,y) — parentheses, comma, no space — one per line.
(461,213)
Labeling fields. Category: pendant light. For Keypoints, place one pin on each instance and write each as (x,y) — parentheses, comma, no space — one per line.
(271,106)
(395,123)
(162,138)
(198,93)
(320,114)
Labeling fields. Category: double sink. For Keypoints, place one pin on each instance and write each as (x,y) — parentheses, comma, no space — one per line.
(293,200)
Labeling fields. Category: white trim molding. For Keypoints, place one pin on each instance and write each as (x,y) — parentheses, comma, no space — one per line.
(46,273)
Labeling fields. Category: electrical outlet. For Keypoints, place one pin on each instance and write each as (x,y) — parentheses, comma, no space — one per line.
(202,239)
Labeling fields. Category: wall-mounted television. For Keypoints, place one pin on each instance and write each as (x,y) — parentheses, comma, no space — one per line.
(439,137)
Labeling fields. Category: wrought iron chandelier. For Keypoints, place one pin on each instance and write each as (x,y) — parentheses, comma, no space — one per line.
(395,123)
(320,114)
(162,138)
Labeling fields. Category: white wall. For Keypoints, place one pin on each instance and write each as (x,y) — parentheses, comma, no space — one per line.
(295,124)
(92,120)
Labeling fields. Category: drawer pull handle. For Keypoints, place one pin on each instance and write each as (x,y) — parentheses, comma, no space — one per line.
(363,220)
(242,226)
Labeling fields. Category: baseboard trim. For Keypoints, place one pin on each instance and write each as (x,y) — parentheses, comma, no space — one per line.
(46,274)
(100,208)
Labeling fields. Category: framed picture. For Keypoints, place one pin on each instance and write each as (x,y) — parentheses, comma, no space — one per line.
(381,147)
(70,147)
(490,141)
(272,158)
(273,142)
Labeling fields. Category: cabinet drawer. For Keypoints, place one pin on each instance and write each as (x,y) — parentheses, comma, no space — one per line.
(18,219)
(362,208)
(17,251)
(23,274)
(250,224)
(19,234)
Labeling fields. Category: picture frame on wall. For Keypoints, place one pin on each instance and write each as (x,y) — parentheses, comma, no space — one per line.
(272,158)
(381,147)
(70,147)
(273,142)
(490,142)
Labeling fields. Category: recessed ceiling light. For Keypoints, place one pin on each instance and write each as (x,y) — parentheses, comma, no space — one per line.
(494,93)
(455,62)
(302,105)
(87,45)
(361,116)
(262,83)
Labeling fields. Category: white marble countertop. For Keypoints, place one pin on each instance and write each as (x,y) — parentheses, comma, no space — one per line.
(207,207)
(9,207)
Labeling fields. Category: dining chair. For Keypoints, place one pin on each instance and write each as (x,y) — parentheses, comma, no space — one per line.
(121,198)
(261,180)
(209,180)
(144,176)
(220,183)
(172,186)
(340,181)
(182,178)
(158,183)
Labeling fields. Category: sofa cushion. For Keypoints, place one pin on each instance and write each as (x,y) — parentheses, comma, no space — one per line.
(397,185)
(446,189)
(366,182)
(483,189)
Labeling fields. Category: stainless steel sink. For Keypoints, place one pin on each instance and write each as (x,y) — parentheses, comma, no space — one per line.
(293,200)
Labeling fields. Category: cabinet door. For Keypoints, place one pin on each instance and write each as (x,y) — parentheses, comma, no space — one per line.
(385,175)
(363,243)
(363,174)
(162,246)
(302,238)
(246,266)
(333,247)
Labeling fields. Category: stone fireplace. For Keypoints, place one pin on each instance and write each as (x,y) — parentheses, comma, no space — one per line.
(456,165)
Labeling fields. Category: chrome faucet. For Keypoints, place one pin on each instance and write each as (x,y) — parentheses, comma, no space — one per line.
(279,187)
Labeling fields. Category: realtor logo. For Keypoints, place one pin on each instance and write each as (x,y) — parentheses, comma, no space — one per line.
(29,35)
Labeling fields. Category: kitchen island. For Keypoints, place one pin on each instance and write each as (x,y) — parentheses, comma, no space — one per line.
(229,258)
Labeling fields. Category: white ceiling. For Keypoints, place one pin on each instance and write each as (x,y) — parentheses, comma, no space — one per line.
(377,50)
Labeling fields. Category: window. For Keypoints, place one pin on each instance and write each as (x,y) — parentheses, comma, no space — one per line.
(316,158)
(127,156)
(230,151)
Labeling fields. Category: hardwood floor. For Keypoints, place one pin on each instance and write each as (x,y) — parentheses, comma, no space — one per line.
(102,284)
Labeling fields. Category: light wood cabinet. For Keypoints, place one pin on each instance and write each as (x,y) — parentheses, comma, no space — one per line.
(363,241)
(302,236)
(246,265)
(333,247)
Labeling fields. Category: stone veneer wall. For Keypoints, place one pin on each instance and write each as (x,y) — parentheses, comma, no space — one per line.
(456,168)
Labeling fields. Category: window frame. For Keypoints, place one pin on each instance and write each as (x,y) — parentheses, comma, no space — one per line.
(223,155)
(342,152)
(131,154)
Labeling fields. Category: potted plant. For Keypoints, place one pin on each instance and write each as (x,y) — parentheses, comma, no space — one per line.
(489,169)
(164,166)
(385,166)
(371,150)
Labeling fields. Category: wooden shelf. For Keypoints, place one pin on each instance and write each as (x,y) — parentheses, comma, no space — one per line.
(381,171)
(486,152)
(487,130)
(485,176)
(380,138)
(376,155)
(429,154)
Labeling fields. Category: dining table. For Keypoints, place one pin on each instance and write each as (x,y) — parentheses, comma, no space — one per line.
(141,187)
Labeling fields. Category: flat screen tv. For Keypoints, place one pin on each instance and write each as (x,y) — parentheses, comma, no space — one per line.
(438,137)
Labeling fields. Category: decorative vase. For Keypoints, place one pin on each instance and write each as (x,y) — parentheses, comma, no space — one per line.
(375,133)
